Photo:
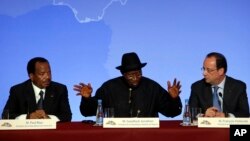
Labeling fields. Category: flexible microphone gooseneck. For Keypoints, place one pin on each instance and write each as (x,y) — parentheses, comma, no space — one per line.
(138,113)
(130,95)
(224,110)
(222,102)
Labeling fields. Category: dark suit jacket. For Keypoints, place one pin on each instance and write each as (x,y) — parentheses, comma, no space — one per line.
(235,99)
(147,99)
(22,100)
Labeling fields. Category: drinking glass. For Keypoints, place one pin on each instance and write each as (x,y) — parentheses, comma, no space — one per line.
(195,113)
(109,113)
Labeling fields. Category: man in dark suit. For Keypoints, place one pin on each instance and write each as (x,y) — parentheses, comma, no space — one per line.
(230,94)
(39,97)
(132,94)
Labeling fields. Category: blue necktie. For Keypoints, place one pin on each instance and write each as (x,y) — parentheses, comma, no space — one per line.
(40,101)
(216,98)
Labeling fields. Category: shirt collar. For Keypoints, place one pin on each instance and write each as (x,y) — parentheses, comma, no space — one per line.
(222,83)
(221,86)
(37,90)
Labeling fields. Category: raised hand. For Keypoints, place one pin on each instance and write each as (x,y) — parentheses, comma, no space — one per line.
(174,90)
(83,89)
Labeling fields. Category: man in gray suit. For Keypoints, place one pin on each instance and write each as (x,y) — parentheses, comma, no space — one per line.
(230,94)
(39,97)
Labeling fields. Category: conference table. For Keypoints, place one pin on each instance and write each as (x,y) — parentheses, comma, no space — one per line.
(78,131)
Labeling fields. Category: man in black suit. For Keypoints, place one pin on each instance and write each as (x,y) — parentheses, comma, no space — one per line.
(231,93)
(132,94)
(25,100)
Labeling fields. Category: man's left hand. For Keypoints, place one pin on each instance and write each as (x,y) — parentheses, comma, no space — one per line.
(174,90)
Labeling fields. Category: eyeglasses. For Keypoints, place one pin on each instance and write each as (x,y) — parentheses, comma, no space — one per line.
(207,69)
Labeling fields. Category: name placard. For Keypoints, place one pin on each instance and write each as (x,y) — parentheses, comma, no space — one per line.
(221,122)
(27,124)
(131,123)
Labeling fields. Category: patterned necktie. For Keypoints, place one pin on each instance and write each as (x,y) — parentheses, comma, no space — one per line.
(40,101)
(216,102)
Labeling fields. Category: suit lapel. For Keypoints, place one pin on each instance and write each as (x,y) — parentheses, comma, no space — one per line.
(227,91)
(30,97)
(209,95)
(49,99)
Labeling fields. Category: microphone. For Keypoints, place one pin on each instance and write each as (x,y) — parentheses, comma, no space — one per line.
(220,94)
(224,107)
(130,95)
(221,102)
(129,102)
(131,113)
(138,112)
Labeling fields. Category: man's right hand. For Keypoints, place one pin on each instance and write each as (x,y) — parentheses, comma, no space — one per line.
(83,89)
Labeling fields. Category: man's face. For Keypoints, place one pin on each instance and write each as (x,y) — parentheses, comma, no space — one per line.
(210,71)
(133,77)
(42,75)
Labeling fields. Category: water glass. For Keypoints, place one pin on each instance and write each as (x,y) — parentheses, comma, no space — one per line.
(109,113)
(195,113)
